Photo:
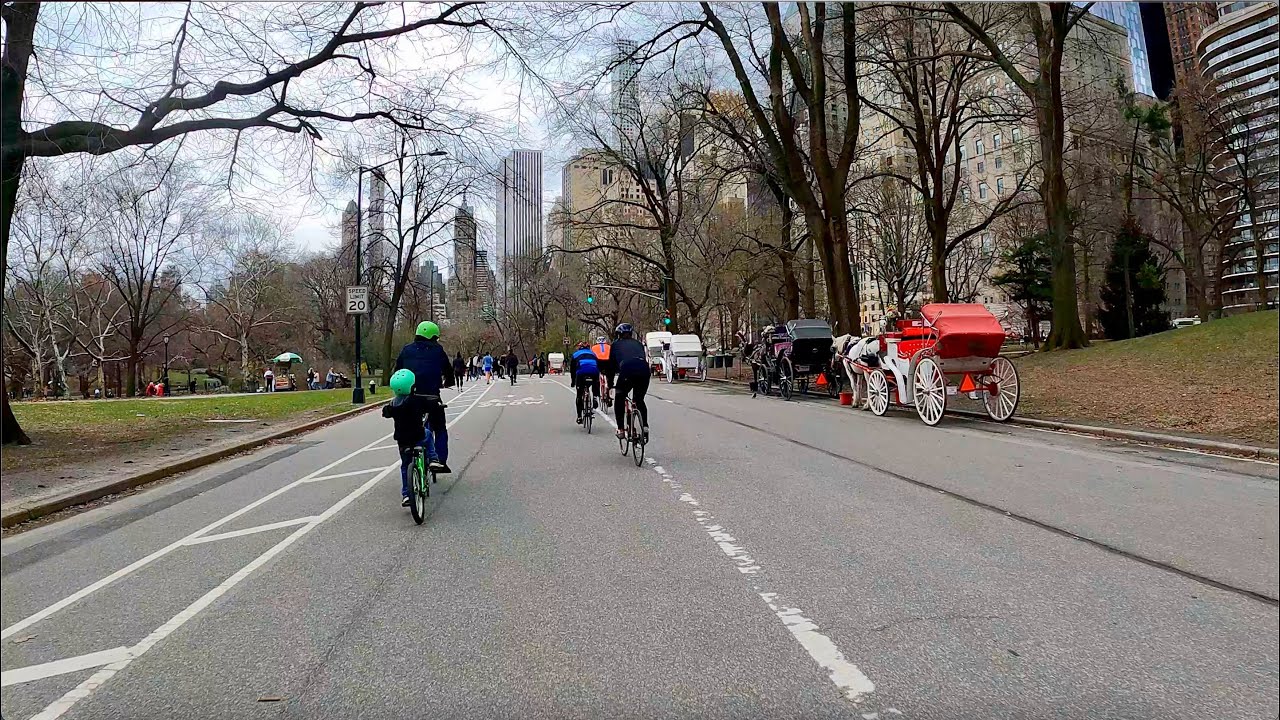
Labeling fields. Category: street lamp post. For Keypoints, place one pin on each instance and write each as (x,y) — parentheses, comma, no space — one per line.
(166,365)
(357,390)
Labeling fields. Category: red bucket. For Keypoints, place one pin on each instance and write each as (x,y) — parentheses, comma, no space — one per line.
(846,398)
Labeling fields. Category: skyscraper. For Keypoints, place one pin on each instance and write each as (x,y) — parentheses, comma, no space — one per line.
(519,220)
(1128,15)
(1186,21)
(377,245)
(625,93)
(347,249)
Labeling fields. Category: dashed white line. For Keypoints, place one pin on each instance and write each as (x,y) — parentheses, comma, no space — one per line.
(353,473)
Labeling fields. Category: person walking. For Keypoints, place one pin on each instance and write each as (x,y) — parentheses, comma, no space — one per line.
(459,367)
(513,364)
(269,379)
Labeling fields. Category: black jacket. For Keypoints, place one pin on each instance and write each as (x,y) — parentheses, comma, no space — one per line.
(627,356)
(407,411)
(429,364)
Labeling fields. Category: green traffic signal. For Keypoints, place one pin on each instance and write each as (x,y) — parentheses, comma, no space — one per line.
(590,299)
(666,321)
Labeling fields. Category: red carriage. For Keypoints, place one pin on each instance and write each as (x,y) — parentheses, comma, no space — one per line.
(954,348)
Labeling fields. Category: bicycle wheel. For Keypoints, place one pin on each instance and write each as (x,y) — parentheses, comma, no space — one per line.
(624,442)
(588,415)
(637,445)
(417,498)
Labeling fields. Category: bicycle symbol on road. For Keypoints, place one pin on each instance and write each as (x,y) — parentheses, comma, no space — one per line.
(514,402)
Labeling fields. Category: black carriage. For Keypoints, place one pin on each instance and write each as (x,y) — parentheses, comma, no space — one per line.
(790,356)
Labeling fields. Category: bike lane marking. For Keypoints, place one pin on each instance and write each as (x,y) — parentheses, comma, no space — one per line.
(253,530)
(854,685)
(147,560)
(63,666)
(86,688)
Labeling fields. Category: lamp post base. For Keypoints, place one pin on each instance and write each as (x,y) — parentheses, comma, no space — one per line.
(357,395)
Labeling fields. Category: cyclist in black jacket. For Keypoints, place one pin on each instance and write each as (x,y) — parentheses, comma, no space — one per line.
(628,370)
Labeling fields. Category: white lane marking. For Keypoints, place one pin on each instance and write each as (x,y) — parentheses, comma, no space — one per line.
(252,530)
(382,447)
(852,682)
(63,666)
(353,473)
(90,589)
(844,674)
(86,688)
(135,565)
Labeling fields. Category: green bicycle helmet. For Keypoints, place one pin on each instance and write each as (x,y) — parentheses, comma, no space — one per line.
(402,382)
(428,330)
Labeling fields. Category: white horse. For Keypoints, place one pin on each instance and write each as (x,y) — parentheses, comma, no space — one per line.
(849,348)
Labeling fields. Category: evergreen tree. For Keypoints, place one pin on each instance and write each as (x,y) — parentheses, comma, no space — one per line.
(1027,280)
(1133,287)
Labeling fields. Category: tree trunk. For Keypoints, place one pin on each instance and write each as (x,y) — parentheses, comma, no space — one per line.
(244,361)
(1260,267)
(840,285)
(790,284)
(938,262)
(1066,332)
(131,382)
(810,280)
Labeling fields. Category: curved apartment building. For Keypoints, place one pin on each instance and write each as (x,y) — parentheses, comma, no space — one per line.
(1240,53)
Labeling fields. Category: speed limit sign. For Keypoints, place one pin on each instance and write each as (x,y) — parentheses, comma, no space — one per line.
(357,299)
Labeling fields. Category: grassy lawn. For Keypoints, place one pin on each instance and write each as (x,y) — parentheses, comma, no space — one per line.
(1217,379)
(64,431)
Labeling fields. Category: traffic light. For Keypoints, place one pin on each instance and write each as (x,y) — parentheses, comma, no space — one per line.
(666,320)
(590,298)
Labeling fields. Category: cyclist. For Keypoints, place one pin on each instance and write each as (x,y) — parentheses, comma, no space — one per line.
(584,374)
(601,349)
(432,370)
(629,364)
(407,410)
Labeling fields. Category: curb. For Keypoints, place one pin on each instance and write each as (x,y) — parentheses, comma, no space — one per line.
(1151,438)
(56,503)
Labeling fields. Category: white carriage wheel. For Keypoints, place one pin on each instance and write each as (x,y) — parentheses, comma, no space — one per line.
(930,390)
(1004,403)
(671,373)
(878,392)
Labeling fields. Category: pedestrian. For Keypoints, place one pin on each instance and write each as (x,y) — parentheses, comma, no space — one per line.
(269,379)
(488,367)
(191,385)
(329,379)
(513,363)
(151,389)
(459,367)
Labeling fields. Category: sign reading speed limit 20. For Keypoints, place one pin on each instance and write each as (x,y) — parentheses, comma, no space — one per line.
(357,299)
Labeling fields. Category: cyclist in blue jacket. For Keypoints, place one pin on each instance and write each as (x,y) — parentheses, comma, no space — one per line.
(584,374)
(432,370)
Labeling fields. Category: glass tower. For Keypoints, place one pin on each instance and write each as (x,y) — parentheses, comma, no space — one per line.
(1128,16)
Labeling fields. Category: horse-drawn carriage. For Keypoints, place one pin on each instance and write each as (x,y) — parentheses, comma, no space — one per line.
(790,356)
(952,349)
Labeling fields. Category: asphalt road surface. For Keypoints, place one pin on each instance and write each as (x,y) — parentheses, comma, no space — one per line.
(769,560)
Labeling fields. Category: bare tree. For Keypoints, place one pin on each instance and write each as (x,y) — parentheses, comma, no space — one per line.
(184,87)
(808,121)
(243,281)
(897,252)
(1040,78)
(926,79)
(151,218)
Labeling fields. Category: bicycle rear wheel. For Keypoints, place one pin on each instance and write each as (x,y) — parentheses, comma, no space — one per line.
(636,429)
(588,415)
(417,497)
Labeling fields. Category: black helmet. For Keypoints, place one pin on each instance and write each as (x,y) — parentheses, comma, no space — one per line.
(623,330)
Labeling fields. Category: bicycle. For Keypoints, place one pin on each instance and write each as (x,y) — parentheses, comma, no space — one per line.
(633,439)
(421,478)
(588,407)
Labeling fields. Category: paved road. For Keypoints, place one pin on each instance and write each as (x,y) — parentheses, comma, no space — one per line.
(771,560)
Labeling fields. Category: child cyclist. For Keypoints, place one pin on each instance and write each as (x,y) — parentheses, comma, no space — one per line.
(408,411)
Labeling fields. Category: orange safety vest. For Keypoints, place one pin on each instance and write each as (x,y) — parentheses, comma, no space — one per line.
(601,350)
